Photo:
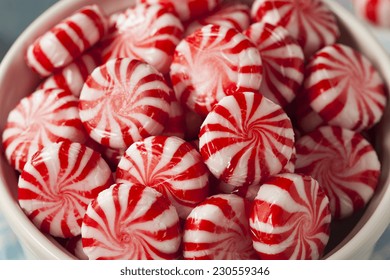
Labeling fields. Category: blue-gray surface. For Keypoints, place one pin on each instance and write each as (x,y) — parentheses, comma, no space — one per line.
(15,16)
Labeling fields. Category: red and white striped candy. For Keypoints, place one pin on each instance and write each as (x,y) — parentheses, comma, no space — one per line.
(310,22)
(131,222)
(124,101)
(290,218)
(186,9)
(218,229)
(170,165)
(283,62)
(344,88)
(67,40)
(345,165)
(246,139)
(211,63)
(73,76)
(250,192)
(374,11)
(148,33)
(45,116)
(234,15)
(57,185)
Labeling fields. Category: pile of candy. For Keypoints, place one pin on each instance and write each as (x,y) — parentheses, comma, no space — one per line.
(197,129)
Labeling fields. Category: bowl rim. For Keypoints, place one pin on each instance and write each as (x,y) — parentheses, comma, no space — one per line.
(24,228)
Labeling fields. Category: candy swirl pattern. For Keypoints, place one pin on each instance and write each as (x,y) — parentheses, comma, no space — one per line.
(67,40)
(344,88)
(344,163)
(170,165)
(43,117)
(124,101)
(283,62)
(374,11)
(245,139)
(211,63)
(131,222)
(218,229)
(290,218)
(57,185)
(310,22)
(186,9)
(148,33)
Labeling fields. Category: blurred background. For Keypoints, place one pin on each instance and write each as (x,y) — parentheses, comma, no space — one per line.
(16,15)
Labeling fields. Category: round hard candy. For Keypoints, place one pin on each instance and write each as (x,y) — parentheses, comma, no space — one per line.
(186,9)
(211,63)
(148,33)
(123,101)
(218,229)
(43,117)
(344,163)
(234,15)
(344,88)
(283,61)
(170,165)
(245,139)
(310,22)
(290,218)
(131,222)
(374,11)
(67,40)
(73,76)
(57,185)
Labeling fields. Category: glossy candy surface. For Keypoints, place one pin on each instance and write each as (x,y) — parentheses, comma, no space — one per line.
(131,222)
(218,229)
(123,101)
(345,165)
(170,165)
(43,117)
(290,218)
(67,40)
(211,63)
(246,139)
(57,185)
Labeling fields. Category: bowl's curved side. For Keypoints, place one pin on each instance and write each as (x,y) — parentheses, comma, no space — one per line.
(361,240)
(37,245)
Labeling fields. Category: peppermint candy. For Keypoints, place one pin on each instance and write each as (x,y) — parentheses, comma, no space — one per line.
(234,15)
(218,229)
(290,218)
(246,139)
(44,117)
(72,77)
(374,11)
(283,62)
(131,222)
(124,101)
(310,22)
(67,40)
(211,63)
(345,165)
(344,88)
(57,185)
(186,9)
(148,33)
(170,165)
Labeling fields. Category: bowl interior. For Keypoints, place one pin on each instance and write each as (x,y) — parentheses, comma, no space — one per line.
(17,81)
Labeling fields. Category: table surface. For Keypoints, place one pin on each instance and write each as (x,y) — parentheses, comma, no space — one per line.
(15,15)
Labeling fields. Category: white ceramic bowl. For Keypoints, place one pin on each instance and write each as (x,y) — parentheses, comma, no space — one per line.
(17,80)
